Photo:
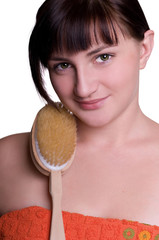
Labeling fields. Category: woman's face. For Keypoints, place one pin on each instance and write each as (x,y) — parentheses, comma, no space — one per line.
(99,84)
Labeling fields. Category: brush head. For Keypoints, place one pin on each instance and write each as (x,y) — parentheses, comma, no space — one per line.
(53,139)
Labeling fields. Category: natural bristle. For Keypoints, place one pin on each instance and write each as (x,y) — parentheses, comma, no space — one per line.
(56,135)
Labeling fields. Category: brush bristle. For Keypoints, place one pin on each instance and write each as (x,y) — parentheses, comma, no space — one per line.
(56,134)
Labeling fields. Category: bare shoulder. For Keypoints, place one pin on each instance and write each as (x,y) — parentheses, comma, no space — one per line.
(13,148)
(151,138)
(154,133)
(21,184)
(16,169)
(14,153)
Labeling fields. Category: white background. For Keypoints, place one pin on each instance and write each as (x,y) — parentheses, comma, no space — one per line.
(19,101)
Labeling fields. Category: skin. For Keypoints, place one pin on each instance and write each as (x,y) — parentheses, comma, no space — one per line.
(115,170)
(88,78)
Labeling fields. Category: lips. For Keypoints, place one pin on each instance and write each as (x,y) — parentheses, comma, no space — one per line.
(92,104)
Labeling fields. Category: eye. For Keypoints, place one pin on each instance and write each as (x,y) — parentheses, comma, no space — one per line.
(62,66)
(103,58)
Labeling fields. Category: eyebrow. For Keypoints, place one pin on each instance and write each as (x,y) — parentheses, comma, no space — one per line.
(58,59)
(95,51)
(98,50)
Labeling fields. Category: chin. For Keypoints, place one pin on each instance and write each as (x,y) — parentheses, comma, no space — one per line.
(92,118)
(95,122)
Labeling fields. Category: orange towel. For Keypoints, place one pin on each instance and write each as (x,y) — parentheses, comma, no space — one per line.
(33,223)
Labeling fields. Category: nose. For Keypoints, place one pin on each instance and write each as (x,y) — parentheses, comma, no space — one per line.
(85,82)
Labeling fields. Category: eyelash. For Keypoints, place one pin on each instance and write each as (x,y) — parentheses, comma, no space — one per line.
(58,67)
(108,57)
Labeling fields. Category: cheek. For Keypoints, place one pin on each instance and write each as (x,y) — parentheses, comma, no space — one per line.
(124,75)
(63,87)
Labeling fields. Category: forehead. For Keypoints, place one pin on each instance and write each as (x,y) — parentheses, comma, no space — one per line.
(77,38)
(125,44)
(96,42)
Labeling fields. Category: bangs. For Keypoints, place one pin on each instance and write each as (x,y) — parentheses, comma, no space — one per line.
(80,36)
(75,25)
(75,33)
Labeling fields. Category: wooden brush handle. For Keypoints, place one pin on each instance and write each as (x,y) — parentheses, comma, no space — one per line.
(57,227)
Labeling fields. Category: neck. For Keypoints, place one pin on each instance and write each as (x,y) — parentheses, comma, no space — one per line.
(123,129)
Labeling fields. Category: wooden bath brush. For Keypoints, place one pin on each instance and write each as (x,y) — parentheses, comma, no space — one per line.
(53,140)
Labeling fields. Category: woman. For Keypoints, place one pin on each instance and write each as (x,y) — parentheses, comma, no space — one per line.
(94,51)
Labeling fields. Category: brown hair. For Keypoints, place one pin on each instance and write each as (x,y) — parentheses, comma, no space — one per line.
(66,24)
